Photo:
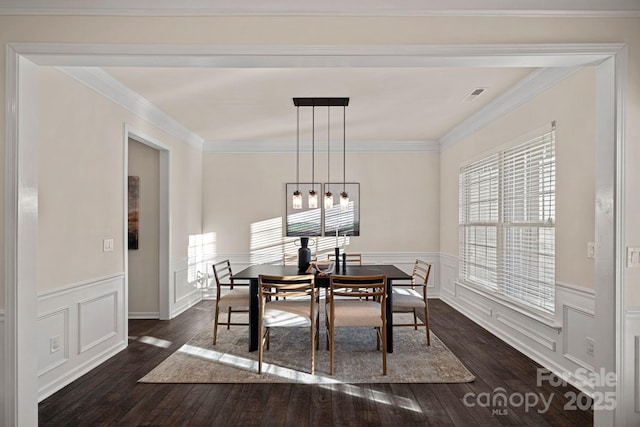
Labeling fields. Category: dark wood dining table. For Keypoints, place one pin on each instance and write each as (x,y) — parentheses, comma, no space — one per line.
(251,273)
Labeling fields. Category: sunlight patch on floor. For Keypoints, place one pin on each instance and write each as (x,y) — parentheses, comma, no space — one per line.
(301,377)
(155,341)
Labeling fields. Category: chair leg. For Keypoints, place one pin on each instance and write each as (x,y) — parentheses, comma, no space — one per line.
(384,350)
(415,320)
(260,344)
(268,336)
(331,348)
(229,318)
(215,324)
(426,324)
(312,341)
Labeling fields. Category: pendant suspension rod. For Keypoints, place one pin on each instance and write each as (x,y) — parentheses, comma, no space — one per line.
(298,148)
(328,144)
(313,146)
(344,148)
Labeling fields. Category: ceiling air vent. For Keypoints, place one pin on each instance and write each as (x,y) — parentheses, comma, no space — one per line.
(474,94)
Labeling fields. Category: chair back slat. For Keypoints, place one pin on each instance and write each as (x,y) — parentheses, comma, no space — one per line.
(421,270)
(286,286)
(359,286)
(351,258)
(222,273)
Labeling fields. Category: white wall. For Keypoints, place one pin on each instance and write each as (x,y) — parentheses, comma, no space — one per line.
(399,195)
(144,162)
(82,293)
(560,343)
(571,104)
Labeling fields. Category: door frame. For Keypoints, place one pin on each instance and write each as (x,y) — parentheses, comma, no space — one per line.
(164,206)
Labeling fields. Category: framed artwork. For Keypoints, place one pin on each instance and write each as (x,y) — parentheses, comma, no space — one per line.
(310,222)
(345,222)
(133,212)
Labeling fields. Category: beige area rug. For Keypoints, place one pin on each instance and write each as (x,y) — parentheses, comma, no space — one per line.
(288,360)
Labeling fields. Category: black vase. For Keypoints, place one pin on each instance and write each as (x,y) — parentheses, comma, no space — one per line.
(304,254)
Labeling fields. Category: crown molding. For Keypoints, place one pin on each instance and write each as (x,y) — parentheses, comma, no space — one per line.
(526,89)
(556,61)
(351,147)
(111,88)
(522,8)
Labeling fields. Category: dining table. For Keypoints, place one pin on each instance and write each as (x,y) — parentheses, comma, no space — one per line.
(252,273)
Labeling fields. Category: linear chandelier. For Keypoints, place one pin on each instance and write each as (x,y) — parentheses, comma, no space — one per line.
(328,196)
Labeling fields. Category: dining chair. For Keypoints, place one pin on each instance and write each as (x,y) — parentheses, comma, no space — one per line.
(409,298)
(292,259)
(287,301)
(355,259)
(348,306)
(235,299)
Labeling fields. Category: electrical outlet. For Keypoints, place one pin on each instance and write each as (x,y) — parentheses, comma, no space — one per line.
(590,346)
(54,343)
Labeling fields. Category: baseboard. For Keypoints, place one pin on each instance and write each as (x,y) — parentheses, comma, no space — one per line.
(144,315)
(62,381)
(557,343)
(523,348)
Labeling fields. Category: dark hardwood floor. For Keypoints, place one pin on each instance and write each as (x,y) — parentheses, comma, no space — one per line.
(109,395)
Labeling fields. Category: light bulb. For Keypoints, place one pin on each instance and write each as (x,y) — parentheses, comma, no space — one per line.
(344,201)
(328,200)
(297,200)
(313,199)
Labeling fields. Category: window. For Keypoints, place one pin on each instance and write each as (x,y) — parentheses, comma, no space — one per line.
(507,222)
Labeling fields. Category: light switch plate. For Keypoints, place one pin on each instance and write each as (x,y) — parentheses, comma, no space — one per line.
(633,257)
(107,245)
(591,250)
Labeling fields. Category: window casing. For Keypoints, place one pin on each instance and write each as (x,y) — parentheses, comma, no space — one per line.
(507,222)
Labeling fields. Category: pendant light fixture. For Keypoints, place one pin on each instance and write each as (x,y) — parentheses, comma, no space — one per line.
(313,196)
(344,197)
(328,197)
(297,196)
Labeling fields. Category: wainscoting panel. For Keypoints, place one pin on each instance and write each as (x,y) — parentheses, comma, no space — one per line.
(185,290)
(53,345)
(79,327)
(97,320)
(629,377)
(2,367)
(562,344)
(578,327)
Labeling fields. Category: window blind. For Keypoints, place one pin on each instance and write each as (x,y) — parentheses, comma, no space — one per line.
(507,222)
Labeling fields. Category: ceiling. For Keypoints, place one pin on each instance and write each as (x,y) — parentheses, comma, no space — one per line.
(255,104)
(412,104)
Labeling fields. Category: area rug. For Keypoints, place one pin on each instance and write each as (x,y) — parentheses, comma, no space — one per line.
(288,360)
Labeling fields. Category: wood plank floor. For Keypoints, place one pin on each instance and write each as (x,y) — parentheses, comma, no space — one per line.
(109,395)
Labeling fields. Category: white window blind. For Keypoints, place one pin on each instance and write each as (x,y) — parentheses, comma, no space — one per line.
(507,222)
